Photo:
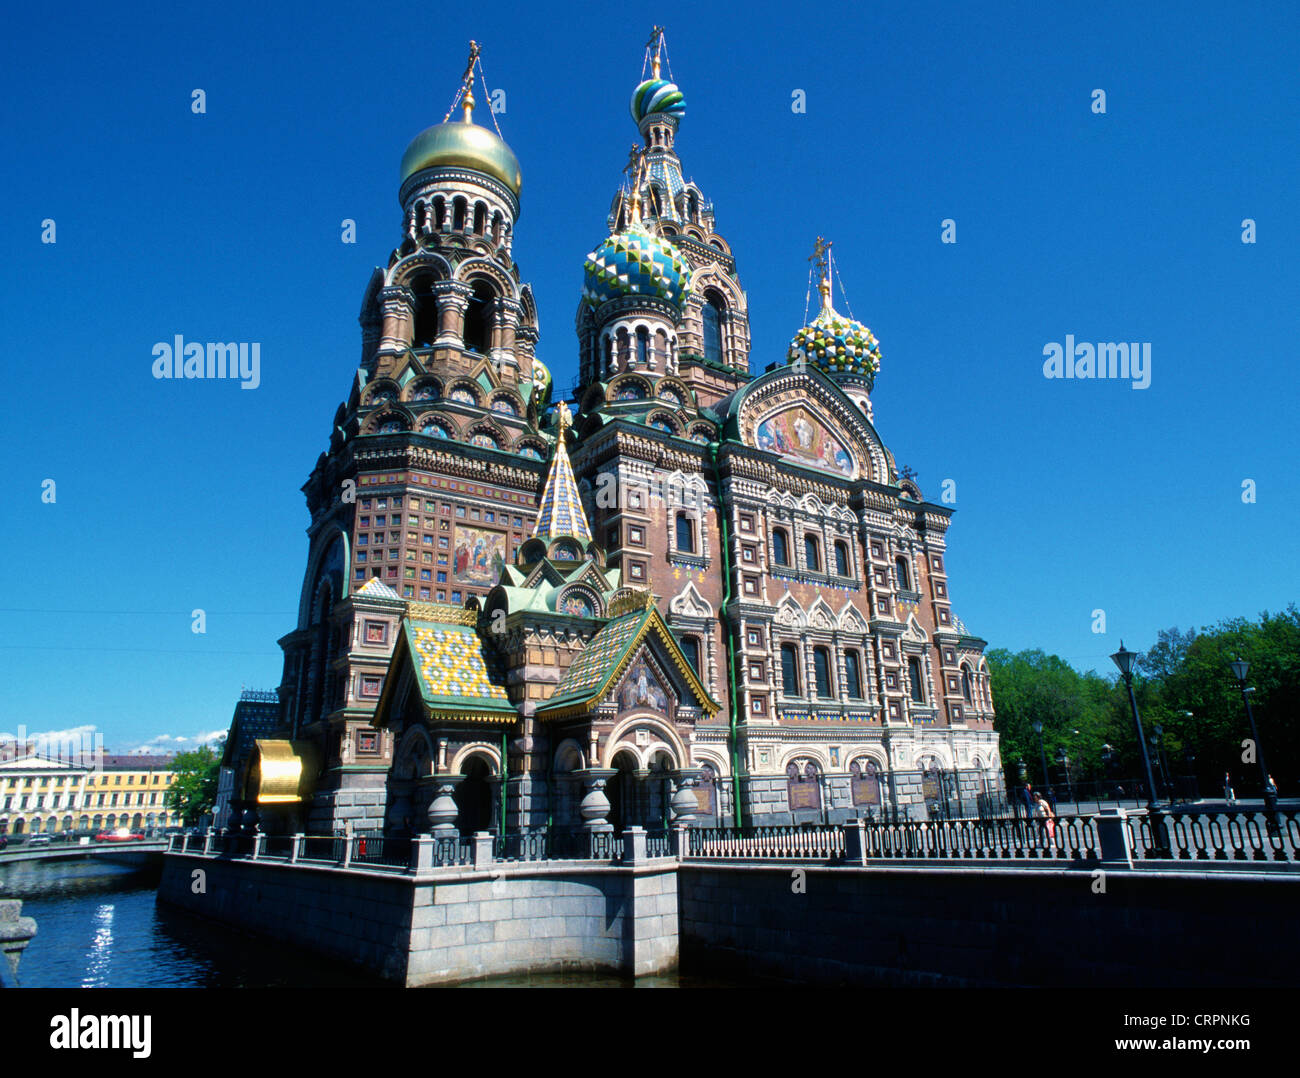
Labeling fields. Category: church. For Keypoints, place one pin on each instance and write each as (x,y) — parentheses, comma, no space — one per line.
(689,589)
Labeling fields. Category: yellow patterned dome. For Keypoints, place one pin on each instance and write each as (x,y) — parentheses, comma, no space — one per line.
(462,145)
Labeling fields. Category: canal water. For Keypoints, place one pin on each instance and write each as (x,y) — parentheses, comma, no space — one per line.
(100,926)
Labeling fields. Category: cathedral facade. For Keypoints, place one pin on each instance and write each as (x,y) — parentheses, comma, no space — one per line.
(690,587)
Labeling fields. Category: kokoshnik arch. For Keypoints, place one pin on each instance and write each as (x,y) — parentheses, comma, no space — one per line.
(777,638)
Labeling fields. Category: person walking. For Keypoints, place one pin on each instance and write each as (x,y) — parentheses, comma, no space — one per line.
(1027,796)
(1044,812)
(1228,795)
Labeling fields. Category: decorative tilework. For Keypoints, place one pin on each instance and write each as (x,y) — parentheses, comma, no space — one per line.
(454,667)
(561,509)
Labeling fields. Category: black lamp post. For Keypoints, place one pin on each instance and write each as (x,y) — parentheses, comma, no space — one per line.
(1124,660)
(1038,729)
(1157,742)
(1240,669)
(1065,766)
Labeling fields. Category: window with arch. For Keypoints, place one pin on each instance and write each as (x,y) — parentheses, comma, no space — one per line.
(822,671)
(426,312)
(780,547)
(914,679)
(458,215)
(480,219)
(439,212)
(789,670)
(853,675)
(691,650)
(842,559)
(712,315)
(685,534)
(478,319)
(812,554)
(692,206)
(642,347)
(496,228)
(966,692)
(904,578)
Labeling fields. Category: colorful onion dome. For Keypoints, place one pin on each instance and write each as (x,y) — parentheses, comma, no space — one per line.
(658,95)
(837,344)
(462,144)
(634,262)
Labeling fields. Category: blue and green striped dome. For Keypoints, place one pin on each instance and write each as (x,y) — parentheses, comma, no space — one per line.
(658,95)
(634,262)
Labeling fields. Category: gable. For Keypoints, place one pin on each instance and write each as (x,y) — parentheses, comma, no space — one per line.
(807,420)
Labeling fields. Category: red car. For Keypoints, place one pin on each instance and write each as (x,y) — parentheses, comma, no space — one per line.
(122,834)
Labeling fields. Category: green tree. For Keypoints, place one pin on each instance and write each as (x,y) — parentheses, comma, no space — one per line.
(194,792)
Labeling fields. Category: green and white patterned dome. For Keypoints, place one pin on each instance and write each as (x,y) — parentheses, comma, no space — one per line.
(636,263)
(837,345)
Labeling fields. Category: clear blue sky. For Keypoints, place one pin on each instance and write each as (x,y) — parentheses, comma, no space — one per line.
(1071,496)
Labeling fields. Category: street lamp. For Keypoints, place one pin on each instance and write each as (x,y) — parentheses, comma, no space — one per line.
(1157,742)
(1240,668)
(1124,660)
(1065,765)
(1038,729)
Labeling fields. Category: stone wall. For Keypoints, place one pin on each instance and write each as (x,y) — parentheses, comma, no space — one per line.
(988,927)
(449,924)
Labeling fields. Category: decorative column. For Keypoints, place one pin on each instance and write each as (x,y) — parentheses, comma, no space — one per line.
(505,322)
(398,305)
(453,302)
(595,805)
(684,803)
(444,810)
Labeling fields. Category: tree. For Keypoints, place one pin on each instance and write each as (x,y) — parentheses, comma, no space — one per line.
(194,793)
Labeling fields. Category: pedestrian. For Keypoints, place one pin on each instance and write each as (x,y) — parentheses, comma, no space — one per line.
(1228,795)
(1051,799)
(1027,795)
(1044,812)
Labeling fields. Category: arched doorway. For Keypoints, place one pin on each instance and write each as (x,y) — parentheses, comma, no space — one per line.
(474,797)
(18,826)
(623,792)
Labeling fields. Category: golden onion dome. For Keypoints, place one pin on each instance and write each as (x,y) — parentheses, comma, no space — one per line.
(462,144)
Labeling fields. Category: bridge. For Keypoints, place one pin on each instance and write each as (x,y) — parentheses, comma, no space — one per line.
(143,852)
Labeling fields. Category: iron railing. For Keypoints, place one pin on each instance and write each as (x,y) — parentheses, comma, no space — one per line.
(822,842)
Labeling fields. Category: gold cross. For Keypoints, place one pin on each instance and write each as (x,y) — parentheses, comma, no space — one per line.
(821,250)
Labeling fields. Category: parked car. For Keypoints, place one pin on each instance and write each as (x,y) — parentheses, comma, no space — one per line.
(39,840)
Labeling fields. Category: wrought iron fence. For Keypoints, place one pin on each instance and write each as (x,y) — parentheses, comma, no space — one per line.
(375,848)
(822,842)
(1240,834)
(1066,838)
(322,848)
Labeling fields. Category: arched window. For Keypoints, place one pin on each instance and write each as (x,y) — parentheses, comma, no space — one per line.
(789,670)
(853,674)
(691,649)
(822,671)
(642,347)
(692,207)
(712,313)
(478,319)
(812,554)
(480,218)
(458,215)
(914,677)
(439,212)
(904,578)
(685,534)
(965,684)
(780,548)
(496,228)
(842,559)
(426,312)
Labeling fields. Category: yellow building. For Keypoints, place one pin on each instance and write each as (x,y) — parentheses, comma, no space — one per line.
(39,794)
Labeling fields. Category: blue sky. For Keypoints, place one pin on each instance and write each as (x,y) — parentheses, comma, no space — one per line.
(1072,496)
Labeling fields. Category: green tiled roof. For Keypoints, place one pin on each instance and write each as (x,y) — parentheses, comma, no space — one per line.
(456,672)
